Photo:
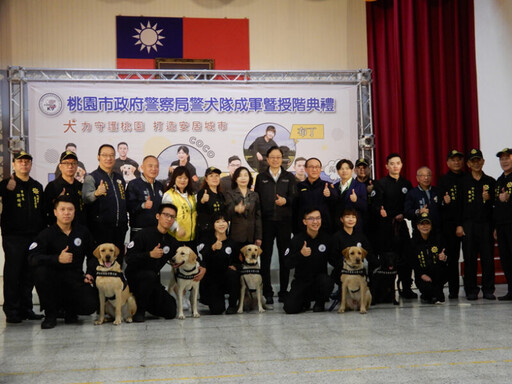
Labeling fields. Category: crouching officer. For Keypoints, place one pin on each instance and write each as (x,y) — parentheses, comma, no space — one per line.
(57,257)
(146,256)
(308,254)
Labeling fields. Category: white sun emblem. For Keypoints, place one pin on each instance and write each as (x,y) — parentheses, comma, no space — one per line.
(148,37)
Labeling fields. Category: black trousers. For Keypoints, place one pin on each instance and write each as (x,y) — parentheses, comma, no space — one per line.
(302,293)
(478,240)
(151,295)
(452,245)
(504,233)
(281,231)
(432,289)
(60,288)
(18,279)
(105,233)
(216,285)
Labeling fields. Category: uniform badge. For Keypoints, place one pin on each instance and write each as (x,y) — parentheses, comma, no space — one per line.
(161,193)
(77,241)
(166,249)
(229,251)
(130,244)
(322,247)
(404,190)
(373,193)
(287,251)
(434,249)
(200,247)
(32,246)
(359,245)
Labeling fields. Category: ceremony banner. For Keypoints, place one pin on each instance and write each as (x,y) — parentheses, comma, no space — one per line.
(212,121)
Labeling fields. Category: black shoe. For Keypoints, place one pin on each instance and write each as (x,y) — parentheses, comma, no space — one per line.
(453,296)
(13,319)
(507,297)
(31,315)
(336,294)
(489,296)
(139,318)
(472,296)
(269,302)
(70,319)
(319,307)
(426,300)
(231,310)
(408,294)
(281,296)
(49,323)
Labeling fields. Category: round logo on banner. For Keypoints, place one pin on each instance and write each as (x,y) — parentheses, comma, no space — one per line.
(229,250)
(77,242)
(322,247)
(50,104)
(166,249)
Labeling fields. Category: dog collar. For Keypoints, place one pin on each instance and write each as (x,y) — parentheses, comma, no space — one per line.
(360,272)
(379,271)
(249,271)
(181,275)
(249,264)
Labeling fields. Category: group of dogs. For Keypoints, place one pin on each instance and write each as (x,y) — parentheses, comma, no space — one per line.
(118,302)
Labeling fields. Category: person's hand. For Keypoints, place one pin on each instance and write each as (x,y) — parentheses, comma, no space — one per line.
(383,212)
(200,274)
(258,156)
(88,279)
(424,209)
(148,204)
(101,190)
(495,235)
(217,245)
(504,196)
(65,257)
(369,187)
(157,252)
(11,184)
(485,193)
(353,196)
(399,217)
(232,267)
(205,198)
(459,231)
(63,192)
(426,278)
(447,198)
(442,255)
(258,242)
(280,201)
(305,251)
(181,232)
(327,192)
(240,207)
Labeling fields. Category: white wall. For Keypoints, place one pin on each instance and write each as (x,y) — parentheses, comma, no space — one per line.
(493,30)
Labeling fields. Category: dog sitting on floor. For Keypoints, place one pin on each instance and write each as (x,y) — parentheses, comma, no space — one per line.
(250,278)
(114,294)
(382,281)
(354,288)
(185,268)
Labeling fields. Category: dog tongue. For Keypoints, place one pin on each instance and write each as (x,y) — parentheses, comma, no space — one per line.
(108,264)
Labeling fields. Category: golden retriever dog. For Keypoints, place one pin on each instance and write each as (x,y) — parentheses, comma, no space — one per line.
(354,289)
(128,172)
(185,268)
(250,277)
(114,293)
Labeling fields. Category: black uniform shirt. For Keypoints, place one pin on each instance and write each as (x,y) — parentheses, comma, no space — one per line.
(450,183)
(390,193)
(306,268)
(503,211)
(472,205)
(74,191)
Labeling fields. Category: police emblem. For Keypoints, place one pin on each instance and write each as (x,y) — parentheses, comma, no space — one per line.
(322,247)
(77,241)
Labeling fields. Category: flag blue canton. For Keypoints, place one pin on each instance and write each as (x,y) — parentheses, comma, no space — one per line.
(149,37)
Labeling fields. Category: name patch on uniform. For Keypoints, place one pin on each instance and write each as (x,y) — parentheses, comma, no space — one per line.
(130,244)
(77,241)
(322,247)
(32,246)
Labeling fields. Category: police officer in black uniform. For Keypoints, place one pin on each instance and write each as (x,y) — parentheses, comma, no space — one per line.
(308,255)
(475,225)
(146,256)
(388,198)
(65,184)
(22,220)
(57,256)
(449,185)
(503,217)
(104,194)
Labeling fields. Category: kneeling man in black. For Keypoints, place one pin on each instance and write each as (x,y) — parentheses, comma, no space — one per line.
(146,256)
(308,254)
(57,257)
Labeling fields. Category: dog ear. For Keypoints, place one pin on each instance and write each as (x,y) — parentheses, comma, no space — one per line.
(243,250)
(96,252)
(193,256)
(345,252)
(365,252)
(259,251)
(116,251)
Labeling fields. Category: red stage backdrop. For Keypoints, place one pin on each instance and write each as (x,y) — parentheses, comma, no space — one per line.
(142,39)
(422,54)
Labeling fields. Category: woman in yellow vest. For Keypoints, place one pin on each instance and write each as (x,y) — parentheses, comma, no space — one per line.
(180,192)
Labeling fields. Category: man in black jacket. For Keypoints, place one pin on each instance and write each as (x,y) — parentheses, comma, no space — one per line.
(277,190)
(22,220)
(57,256)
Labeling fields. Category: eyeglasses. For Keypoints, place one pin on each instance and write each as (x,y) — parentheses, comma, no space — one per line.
(72,164)
(168,215)
(107,155)
(429,176)
(316,218)
(275,157)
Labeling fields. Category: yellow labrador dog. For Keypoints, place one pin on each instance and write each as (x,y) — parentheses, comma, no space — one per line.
(354,289)
(250,277)
(114,294)
(185,268)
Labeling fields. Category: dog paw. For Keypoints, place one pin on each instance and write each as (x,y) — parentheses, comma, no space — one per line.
(341,310)
(98,322)
(362,311)
(196,315)
(129,320)
(117,322)
(181,317)
(261,310)
(240,311)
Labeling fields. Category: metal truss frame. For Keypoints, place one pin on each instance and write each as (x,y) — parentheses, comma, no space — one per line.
(18,77)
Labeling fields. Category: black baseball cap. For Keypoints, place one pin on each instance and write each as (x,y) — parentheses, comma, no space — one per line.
(68,155)
(504,151)
(211,170)
(454,153)
(475,154)
(22,155)
(362,161)
(424,217)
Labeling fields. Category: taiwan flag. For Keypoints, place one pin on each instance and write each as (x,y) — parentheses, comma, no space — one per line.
(142,39)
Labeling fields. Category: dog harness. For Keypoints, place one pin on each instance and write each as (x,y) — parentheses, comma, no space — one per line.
(360,272)
(180,275)
(379,271)
(119,275)
(247,271)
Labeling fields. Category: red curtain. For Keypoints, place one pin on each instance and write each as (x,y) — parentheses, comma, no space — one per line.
(422,54)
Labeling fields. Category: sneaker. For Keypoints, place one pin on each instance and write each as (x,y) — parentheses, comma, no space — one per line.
(49,323)
(507,297)
(231,310)
(408,294)
(489,296)
(13,319)
(269,303)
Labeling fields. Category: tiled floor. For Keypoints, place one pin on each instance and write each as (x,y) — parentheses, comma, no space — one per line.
(459,342)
